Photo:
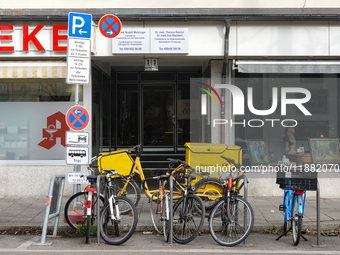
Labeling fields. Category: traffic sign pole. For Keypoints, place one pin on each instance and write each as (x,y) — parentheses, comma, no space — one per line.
(78,67)
(76,168)
(78,55)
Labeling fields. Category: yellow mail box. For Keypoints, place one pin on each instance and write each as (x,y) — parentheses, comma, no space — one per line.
(206,156)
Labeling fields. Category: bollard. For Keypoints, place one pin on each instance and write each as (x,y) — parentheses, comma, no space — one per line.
(171,208)
(99,178)
(245,198)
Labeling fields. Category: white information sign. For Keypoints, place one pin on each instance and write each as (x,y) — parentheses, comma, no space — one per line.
(77,178)
(169,40)
(78,61)
(78,71)
(151,40)
(77,155)
(133,40)
(77,138)
(79,48)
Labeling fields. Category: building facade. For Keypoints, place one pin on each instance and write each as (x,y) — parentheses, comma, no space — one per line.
(282,59)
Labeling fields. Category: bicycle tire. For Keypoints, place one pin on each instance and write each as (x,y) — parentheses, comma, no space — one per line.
(210,190)
(230,231)
(156,212)
(75,209)
(132,190)
(166,217)
(296,222)
(285,221)
(120,230)
(186,227)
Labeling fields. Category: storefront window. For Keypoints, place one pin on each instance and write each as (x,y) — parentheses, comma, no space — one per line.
(277,112)
(285,130)
(32,118)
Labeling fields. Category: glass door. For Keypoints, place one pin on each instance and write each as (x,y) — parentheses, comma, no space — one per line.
(158,115)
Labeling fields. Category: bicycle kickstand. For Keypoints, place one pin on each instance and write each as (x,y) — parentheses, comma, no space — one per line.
(284,234)
(304,238)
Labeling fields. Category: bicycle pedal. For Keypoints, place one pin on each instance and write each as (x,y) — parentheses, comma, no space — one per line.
(282,208)
(303,231)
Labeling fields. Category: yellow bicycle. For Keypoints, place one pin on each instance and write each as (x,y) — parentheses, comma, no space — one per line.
(209,189)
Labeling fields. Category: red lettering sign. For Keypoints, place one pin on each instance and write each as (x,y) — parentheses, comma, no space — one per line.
(57,38)
(6,37)
(31,37)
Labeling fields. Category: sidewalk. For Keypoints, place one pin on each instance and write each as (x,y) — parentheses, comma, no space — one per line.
(30,212)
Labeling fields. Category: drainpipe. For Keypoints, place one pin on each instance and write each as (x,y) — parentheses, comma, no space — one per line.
(224,75)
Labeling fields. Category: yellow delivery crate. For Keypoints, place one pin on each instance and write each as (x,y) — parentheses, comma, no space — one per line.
(120,161)
(205,157)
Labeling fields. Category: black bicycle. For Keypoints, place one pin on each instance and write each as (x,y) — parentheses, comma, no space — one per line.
(232,219)
(188,211)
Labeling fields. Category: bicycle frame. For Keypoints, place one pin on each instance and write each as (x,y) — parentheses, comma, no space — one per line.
(90,198)
(138,170)
(111,198)
(288,201)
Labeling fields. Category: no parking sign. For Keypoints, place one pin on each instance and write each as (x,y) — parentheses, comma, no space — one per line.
(77,118)
(110,26)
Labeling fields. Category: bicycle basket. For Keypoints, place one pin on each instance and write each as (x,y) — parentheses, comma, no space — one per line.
(120,161)
(296,178)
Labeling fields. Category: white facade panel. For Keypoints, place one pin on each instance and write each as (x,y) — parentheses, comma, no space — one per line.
(334,31)
(206,39)
(21,4)
(282,38)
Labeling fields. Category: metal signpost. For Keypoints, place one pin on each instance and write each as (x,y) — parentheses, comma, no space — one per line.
(78,72)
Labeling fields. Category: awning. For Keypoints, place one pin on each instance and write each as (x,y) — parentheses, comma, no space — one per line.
(287,66)
(32,69)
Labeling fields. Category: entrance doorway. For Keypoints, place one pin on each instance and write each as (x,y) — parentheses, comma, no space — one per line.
(158,115)
(151,108)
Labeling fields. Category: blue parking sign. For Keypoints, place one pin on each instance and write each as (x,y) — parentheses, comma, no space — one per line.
(79,25)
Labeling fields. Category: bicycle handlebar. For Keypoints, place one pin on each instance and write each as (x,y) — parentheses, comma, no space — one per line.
(139,149)
(231,161)
(178,161)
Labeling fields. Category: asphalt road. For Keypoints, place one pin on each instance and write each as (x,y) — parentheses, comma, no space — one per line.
(153,244)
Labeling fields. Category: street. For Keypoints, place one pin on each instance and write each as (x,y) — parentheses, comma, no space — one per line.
(140,243)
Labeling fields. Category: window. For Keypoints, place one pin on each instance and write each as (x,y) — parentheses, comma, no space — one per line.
(32,118)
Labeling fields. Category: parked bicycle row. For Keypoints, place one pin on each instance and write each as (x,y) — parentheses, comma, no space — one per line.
(196,196)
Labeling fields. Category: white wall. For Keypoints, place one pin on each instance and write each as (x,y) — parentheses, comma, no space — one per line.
(22,4)
(32,180)
(282,39)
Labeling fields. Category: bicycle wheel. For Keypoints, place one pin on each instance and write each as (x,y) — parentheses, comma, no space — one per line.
(156,212)
(166,217)
(231,227)
(296,222)
(132,190)
(119,230)
(286,212)
(210,190)
(75,210)
(187,220)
